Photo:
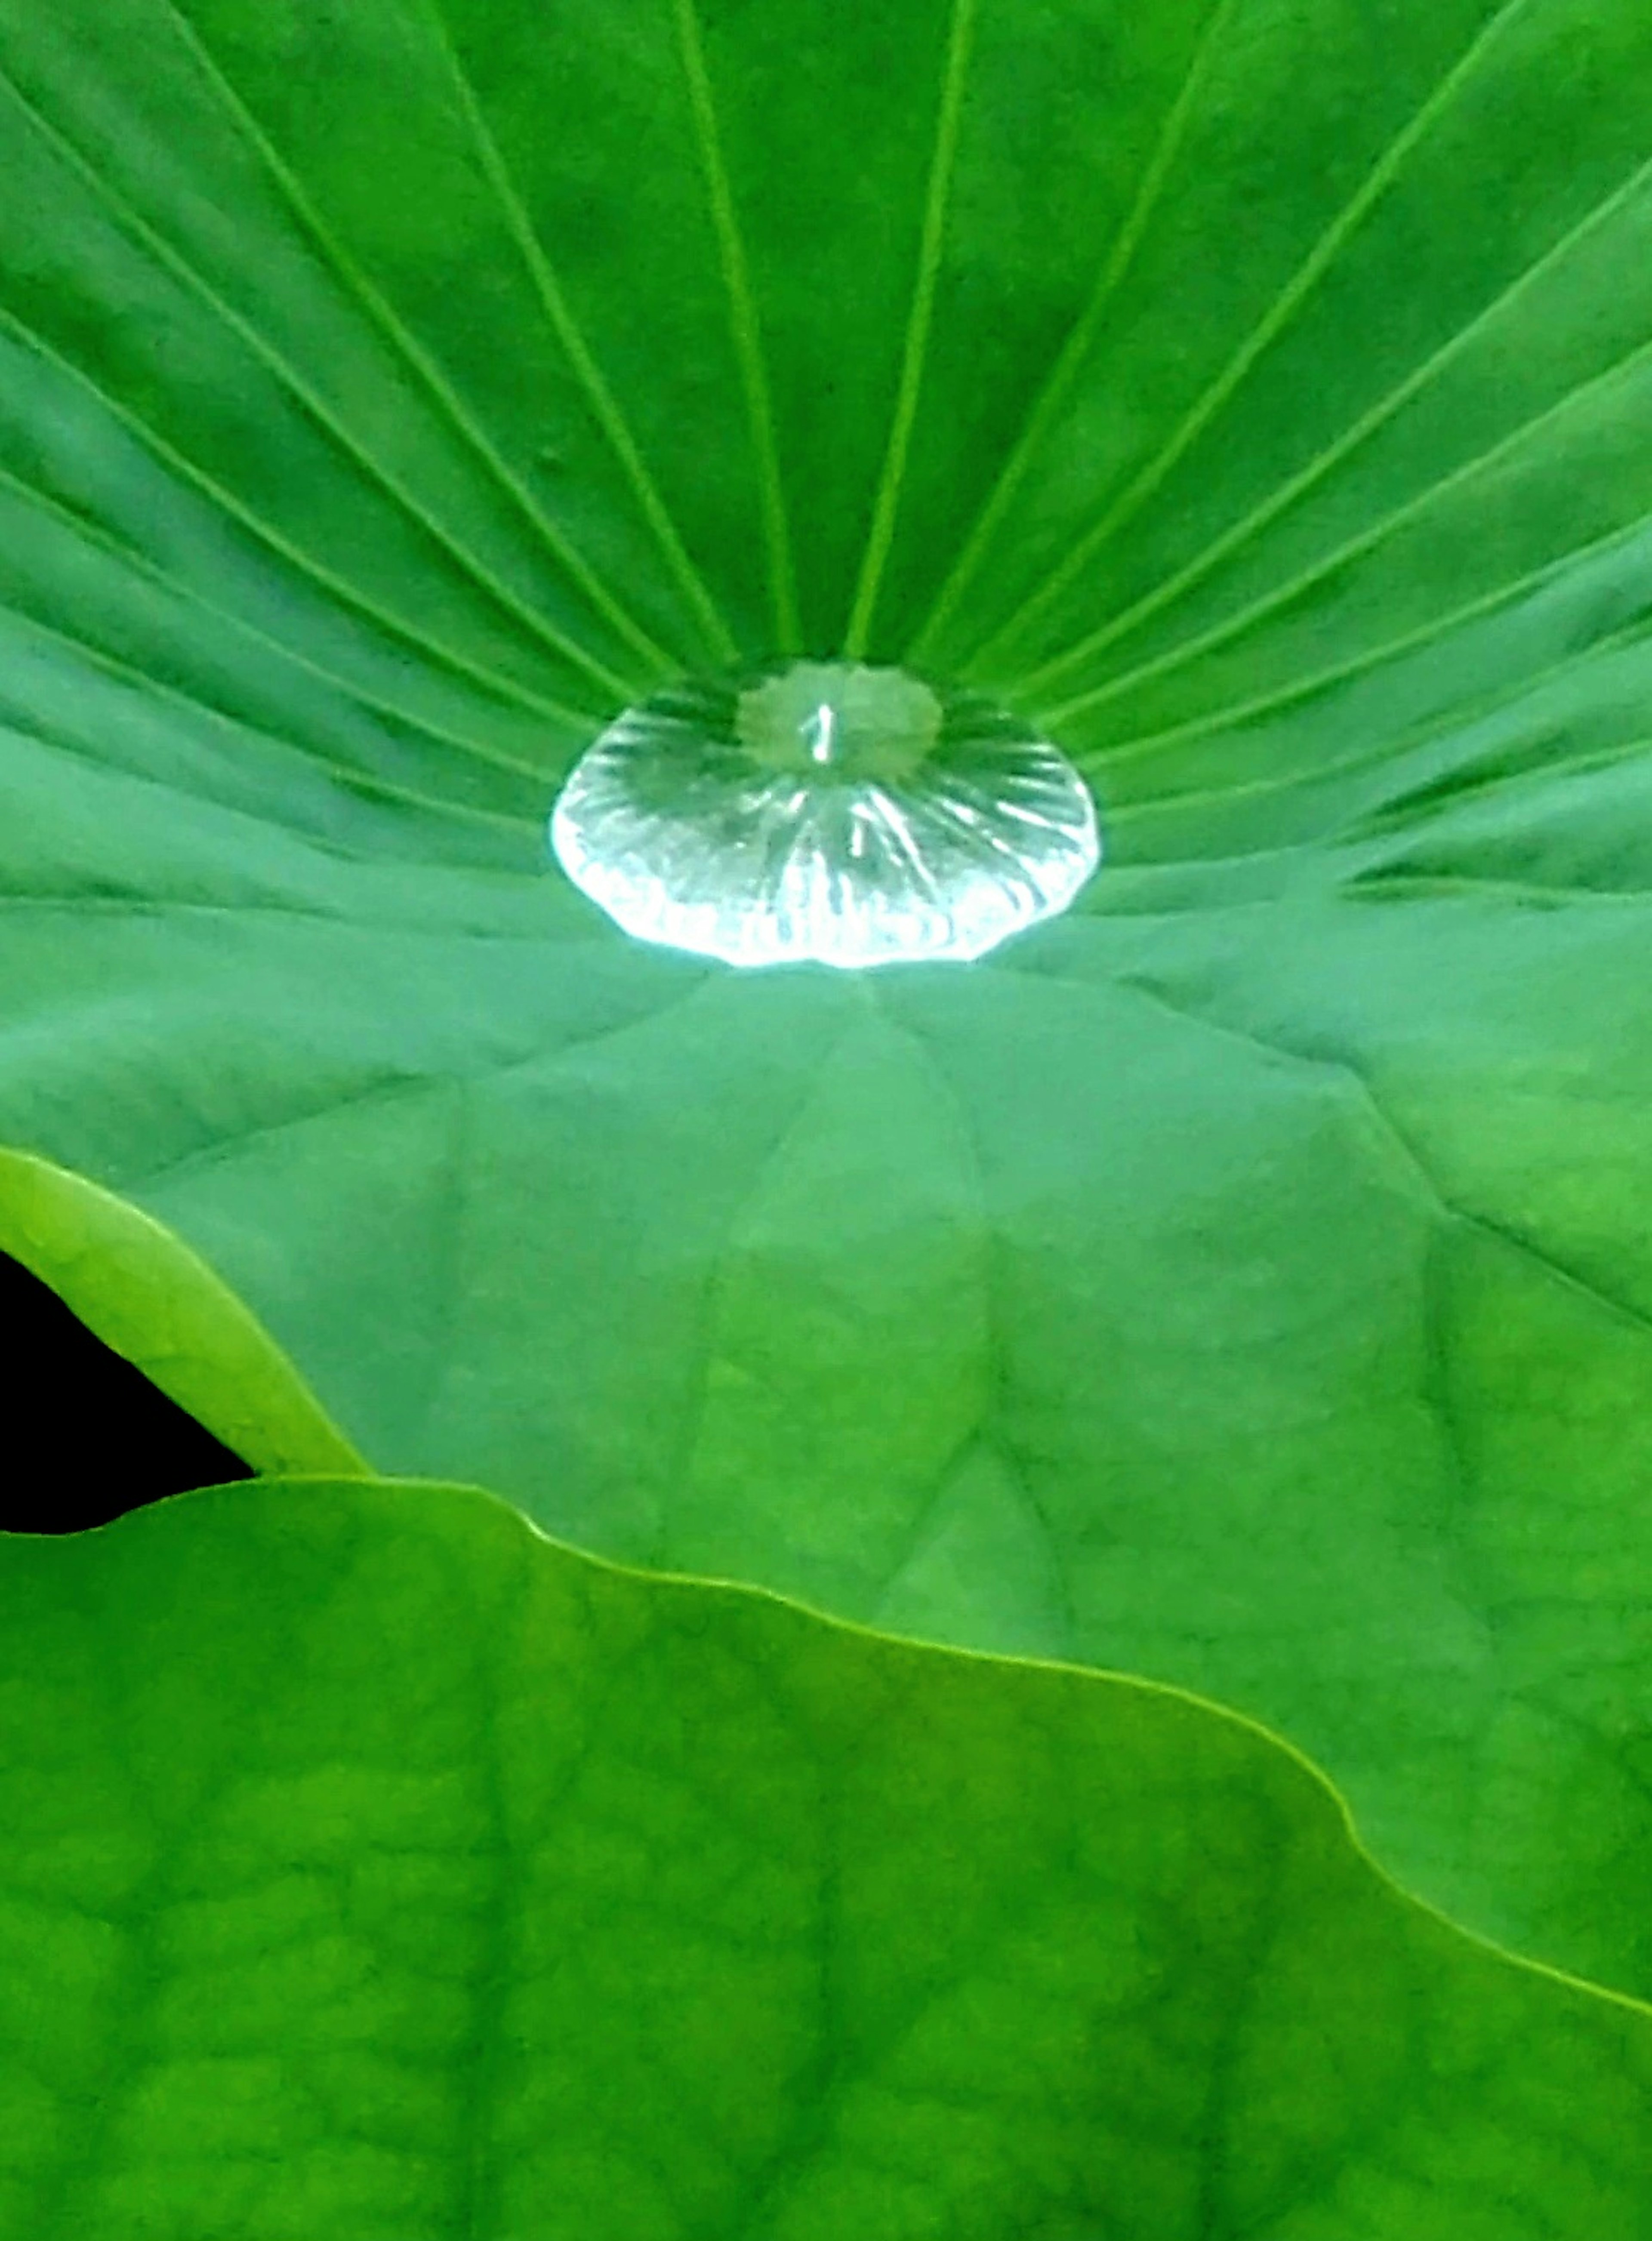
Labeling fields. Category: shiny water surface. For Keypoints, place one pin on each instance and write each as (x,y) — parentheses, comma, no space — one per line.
(825,811)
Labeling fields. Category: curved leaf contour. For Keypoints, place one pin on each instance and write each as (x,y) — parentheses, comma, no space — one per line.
(144,1293)
(1244,1281)
(379,1867)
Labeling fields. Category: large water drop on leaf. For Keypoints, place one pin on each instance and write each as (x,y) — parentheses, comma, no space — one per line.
(825,811)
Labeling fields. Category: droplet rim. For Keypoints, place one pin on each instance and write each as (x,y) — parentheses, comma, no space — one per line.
(806,911)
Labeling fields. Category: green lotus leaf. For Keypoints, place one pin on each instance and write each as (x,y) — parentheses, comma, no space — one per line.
(377,1868)
(1243,1280)
(150,1299)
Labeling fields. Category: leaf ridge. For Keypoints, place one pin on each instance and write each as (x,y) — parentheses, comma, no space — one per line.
(919,318)
(1241,619)
(1286,492)
(1161,164)
(400,1085)
(1461,717)
(52,742)
(686,1445)
(410,797)
(1427,1186)
(745,332)
(151,905)
(139,564)
(426,368)
(604,404)
(1365,888)
(527,618)
(1273,323)
(1621,1310)
(997,1351)
(1371,657)
(494,682)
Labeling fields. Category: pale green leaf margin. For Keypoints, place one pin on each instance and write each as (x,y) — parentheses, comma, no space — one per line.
(144,1293)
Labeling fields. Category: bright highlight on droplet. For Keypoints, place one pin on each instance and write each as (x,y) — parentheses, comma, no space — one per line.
(826,811)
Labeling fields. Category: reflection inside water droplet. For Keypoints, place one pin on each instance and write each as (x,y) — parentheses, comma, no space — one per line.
(827,810)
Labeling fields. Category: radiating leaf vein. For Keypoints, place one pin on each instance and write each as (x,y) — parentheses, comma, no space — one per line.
(459,743)
(604,404)
(528,619)
(745,332)
(425,370)
(159,688)
(1059,382)
(493,682)
(1171,588)
(1274,322)
(1370,540)
(931,243)
(1370,657)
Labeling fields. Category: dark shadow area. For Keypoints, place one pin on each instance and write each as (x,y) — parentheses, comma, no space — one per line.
(87,1436)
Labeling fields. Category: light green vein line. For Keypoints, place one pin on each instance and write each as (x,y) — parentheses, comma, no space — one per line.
(138,229)
(1337,1066)
(1372,887)
(1266,331)
(345,774)
(671,1520)
(1285,495)
(880,536)
(579,721)
(493,682)
(746,330)
(997,1417)
(1283,595)
(423,366)
(1460,720)
(1306,688)
(604,404)
(1078,344)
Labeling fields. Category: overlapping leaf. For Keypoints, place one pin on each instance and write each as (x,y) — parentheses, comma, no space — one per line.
(380,1869)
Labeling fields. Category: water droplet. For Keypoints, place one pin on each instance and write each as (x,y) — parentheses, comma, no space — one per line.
(827,810)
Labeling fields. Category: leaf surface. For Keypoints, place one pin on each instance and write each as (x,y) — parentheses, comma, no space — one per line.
(382,1869)
(1242,1281)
